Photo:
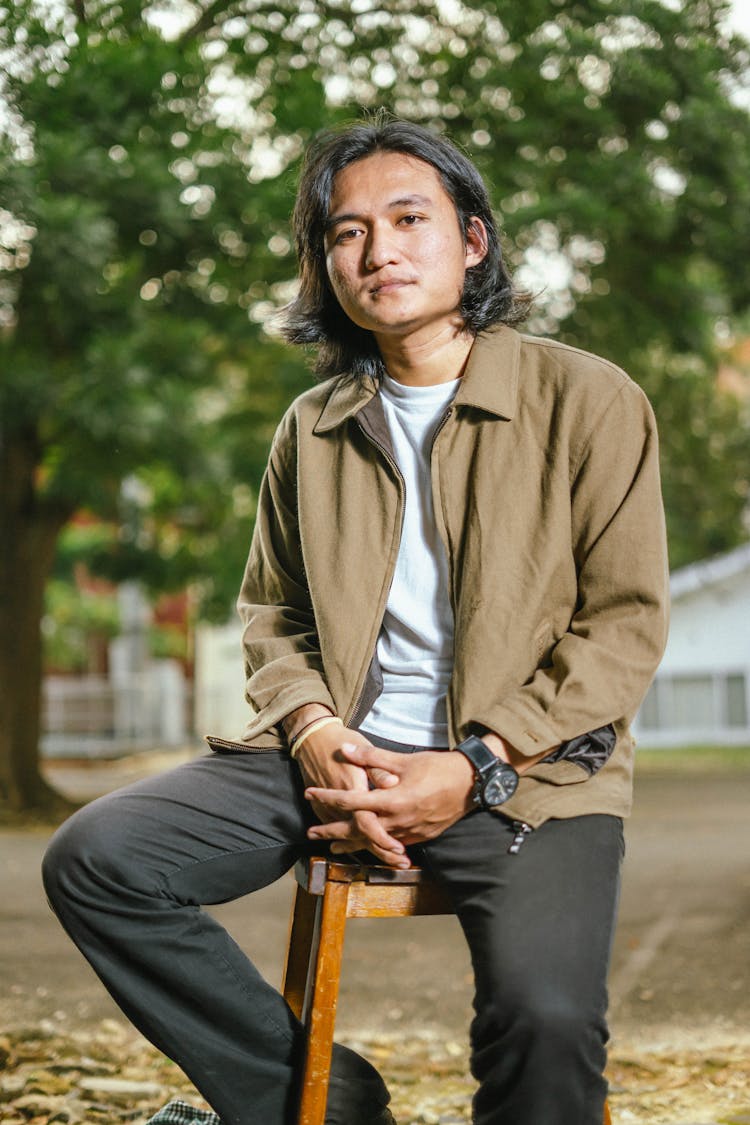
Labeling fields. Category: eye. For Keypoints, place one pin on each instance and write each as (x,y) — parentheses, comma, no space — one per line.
(410,220)
(347,234)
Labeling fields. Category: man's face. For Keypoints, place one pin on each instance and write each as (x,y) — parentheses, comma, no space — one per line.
(395,253)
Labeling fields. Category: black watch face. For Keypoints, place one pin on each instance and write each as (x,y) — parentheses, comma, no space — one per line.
(500,787)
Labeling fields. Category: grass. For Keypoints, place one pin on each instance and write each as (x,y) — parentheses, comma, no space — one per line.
(697,759)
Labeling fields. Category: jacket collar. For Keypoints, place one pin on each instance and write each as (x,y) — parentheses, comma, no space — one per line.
(490,379)
(347,398)
(489,382)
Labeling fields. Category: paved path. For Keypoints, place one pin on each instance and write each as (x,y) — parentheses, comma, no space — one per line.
(681,963)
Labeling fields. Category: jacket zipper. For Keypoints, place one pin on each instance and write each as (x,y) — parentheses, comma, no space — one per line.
(441,423)
(239,747)
(522,832)
(355,717)
(451,593)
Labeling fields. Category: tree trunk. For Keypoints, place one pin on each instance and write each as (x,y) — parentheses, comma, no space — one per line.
(28,533)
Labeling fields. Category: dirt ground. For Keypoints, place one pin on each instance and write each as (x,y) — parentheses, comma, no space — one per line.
(680,981)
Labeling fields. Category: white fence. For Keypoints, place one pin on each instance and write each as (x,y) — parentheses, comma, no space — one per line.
(91,716)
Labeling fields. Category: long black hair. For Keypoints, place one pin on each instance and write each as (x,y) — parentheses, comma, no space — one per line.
(315,316)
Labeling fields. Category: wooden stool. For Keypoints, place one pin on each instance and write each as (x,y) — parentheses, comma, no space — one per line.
(329,892)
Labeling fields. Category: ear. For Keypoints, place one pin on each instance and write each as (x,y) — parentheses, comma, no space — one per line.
(476,241)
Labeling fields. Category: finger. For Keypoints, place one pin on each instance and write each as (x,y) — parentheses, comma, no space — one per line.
(363,832)
(347,800)
(367,832)
(332,830)
(347,847)
(372,828)
(372,757)
(324,813)
(356,844)
(382,779)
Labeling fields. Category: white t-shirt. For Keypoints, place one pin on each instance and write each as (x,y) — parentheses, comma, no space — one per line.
(415,646)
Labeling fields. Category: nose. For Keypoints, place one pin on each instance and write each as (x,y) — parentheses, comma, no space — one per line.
(380,249)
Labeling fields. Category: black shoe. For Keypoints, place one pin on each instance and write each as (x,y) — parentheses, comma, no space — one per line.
(357,1095)
(383,1116)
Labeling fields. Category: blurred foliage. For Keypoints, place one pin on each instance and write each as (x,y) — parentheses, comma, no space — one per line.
(167,642)
(75,622)
(147,163)
(82,613)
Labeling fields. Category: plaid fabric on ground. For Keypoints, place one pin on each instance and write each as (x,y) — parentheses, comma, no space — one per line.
(180,1113)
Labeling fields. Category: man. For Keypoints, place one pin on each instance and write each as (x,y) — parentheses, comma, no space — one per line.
(454,602)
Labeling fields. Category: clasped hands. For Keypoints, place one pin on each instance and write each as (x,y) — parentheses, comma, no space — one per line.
(374,799)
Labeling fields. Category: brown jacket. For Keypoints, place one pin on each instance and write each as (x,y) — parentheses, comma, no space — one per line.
(546,488)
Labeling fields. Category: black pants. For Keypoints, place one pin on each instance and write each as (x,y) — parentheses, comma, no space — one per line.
(127,876)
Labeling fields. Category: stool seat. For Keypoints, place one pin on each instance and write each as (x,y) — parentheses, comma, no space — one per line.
(329,891)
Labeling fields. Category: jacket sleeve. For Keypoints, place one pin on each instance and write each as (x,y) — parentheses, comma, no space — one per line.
(601,667)
(283,665)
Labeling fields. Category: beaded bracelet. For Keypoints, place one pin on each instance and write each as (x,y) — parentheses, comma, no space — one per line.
(311,728)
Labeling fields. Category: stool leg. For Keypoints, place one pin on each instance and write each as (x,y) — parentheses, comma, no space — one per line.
(321,1017)
(299,950)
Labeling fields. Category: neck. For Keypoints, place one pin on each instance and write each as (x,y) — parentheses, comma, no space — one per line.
(438,358)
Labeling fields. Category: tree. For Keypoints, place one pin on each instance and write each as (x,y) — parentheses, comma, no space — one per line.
(147,158)
(128,226)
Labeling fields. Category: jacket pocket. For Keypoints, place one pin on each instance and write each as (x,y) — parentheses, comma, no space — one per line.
(578,759)
(590,751)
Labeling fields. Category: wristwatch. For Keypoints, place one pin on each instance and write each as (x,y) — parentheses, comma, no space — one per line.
(495,781)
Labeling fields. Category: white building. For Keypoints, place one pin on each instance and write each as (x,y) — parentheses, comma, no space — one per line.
(219,689)
(701,694)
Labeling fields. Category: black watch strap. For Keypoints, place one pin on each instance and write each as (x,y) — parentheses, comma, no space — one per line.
(478,753)
(495,780)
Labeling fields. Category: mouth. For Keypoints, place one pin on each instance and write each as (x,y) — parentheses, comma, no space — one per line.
(389,286)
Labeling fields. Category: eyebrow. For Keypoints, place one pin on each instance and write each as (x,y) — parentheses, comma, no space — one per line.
(402,201)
